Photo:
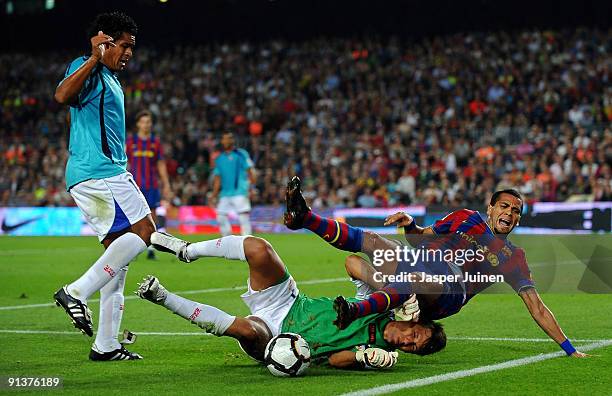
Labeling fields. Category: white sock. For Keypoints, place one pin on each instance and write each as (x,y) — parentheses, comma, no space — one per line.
(231,247)
(111,312)
(245,223)
(211,319)
(119,253)
(224,224)
(363,289)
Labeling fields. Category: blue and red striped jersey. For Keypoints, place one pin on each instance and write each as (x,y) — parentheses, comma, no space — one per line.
(467,230)
(143,155)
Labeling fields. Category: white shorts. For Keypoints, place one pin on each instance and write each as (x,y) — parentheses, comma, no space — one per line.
(237,203)
(111,204)
(272,304)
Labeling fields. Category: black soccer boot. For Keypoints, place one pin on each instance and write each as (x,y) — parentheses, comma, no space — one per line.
(297,208)
(346,312)
(117,354)
(76,310)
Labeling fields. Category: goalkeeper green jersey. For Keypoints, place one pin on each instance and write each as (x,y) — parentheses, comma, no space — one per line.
(312,318)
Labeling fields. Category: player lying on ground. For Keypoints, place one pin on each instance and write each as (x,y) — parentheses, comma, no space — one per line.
(463,229)
(277,306)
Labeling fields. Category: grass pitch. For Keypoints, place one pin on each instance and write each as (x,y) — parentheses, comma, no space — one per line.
(33,268)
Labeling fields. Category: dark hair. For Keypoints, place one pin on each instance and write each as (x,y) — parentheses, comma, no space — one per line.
(143,113)
(436,342)
(113,24)
(511,191)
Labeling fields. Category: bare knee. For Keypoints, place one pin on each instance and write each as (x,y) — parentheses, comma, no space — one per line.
(144,228)
(249,331)
(256,249)
(353,264)
(253,336)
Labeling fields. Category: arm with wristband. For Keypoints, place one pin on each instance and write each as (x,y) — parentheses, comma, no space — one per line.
(414,234)
(546,320)
(538,310)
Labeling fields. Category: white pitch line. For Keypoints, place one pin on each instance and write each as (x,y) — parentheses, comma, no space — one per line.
(186,292)
(192,333)
(29,306)
(144,333)
(379,390)
(28,252)
(518,339)
(220,289)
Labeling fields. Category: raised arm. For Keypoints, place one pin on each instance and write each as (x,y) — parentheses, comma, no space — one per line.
(68,90)
(546,320)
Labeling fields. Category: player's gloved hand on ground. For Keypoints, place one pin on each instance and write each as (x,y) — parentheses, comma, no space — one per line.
(346,312)
(376,358)
(409,310)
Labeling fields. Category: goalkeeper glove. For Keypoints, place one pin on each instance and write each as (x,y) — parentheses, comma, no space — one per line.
(409,310)
(376,358)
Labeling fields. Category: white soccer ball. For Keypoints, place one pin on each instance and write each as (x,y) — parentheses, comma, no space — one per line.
(287,355)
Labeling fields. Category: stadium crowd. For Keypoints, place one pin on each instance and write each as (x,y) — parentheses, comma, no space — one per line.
(374,122)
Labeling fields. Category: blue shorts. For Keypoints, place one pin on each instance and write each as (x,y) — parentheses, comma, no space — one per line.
(453,295)
(153,197)
(449,303)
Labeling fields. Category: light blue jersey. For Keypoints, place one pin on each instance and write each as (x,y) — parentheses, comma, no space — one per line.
(232,168)
(97,127)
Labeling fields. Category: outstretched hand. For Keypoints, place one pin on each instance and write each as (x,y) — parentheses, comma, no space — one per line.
(376,358)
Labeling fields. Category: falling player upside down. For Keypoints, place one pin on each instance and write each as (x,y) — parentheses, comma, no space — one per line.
(464,229)
(277,306)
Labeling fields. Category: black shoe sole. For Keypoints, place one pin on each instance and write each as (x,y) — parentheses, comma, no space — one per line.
(87,331)
(296,205)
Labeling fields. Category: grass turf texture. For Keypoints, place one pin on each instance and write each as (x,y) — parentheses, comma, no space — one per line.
(33,268)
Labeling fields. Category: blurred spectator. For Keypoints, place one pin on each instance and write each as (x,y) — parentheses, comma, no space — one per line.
(367,122)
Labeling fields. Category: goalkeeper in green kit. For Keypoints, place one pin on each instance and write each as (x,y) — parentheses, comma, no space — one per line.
(277,306)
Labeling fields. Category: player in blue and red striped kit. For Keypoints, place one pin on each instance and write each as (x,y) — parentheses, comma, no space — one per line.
(146,162)
(492,254)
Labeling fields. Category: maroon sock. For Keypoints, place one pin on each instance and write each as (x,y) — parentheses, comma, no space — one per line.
(381,301)
(339,235)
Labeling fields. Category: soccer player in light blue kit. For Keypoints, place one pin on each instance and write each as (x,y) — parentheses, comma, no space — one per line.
(97,179)
(233,174)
